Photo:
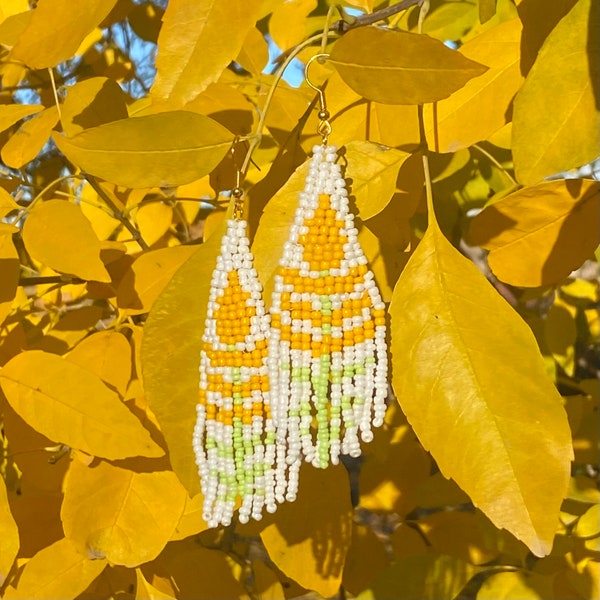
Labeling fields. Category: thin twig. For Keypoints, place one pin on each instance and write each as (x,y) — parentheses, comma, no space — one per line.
(117,213)
(26,281)
(379,15)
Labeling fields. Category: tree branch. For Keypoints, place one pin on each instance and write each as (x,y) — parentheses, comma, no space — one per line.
(379,15)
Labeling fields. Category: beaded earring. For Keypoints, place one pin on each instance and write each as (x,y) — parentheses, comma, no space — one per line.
(327,351)
(234,436)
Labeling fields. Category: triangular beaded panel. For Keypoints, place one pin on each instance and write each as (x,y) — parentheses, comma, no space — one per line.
(327,352)
(234,435)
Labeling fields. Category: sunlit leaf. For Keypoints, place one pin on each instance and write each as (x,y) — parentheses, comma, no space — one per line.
(481,107)
(145,591)
(164,149)
(539,234)
(56,30)
(427,577)
(398,67)
(124,515)
(9,535)
(148,276)
(11,113)
(58,571)
(68,404)
(254,53)
(556,122)
(445,313)
(9,270)
(107,354)
(92,102)
(287,25)
(588,525)
(374,170)
(53,230)
(171,356)
(154,220)
(522,585)
(561,334)
(191,521)
(309,537)
(25,144)
(192,48)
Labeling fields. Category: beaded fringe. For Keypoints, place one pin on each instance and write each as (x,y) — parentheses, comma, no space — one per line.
(327,349)
(234,437)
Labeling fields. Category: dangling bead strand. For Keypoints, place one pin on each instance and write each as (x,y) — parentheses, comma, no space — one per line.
(327,350)
(234,437)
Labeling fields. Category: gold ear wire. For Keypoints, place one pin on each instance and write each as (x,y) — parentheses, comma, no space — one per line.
(324,127)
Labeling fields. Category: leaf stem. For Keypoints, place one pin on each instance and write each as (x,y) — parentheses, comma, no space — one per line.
(117,213)
(495,161)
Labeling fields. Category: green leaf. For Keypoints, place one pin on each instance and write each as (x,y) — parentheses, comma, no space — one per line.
(556,122)
(487,409)
(398,67)
(192,47)
(57,571)
(58,235)
(11,113)
(374,170)
(165,149)
(70,405)
(56,30)
(92,102)
(539,234)
(426,577)
(171,356)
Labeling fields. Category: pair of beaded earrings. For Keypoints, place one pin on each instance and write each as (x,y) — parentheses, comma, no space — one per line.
(302,381)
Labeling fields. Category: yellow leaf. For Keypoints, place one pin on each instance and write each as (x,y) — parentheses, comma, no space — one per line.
(145,20)
(310,537)
(561,334)
(100,218)
(148,276)
(266,582)
(480,108)
(165,149)
(394,466)
(556,122)
(56,30)
(537,235)
(374,171)
(58,235)
(92,102)
(193,49)
(25,144)
(7,205)
(191,521)
(446,20)
(154,220)
(58,571)
(12,7)
(68,404)
(9,272)
(9,535)
(588,525)
(437,492)
(124,515)
(254,54)
(487,9)
(459,534)
(398,67)
(171,356)
(287,24)
(12,27)
(407,541)
(107,354)
(522,585)
(426,577)
(446,321)
(187,570)
(366,557)
(145,591)
(11,113)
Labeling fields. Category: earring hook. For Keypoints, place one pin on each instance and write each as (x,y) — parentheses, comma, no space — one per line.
(324,128)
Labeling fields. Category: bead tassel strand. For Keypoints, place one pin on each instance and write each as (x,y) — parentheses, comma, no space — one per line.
(327,349)
(234,437)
